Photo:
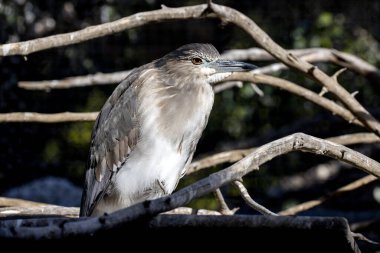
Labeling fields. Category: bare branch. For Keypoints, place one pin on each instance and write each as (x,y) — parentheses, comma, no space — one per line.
(48,210)
(313,203)
(337,74)
(236,155)
(297,90)
(256,206)
(188,211)
(233,16)
(77,81)
(223,207)
(351,139)
(96,31)
(295,142)
(11,202)
(227,85)
(19,207)
(343,59)
(47,118)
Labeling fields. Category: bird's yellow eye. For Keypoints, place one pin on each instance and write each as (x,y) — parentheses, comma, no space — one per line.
(196,61)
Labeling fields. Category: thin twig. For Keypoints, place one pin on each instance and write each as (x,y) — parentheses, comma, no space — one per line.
(223,207)
(77,81)
(313,203)
(256,206)
(47,118)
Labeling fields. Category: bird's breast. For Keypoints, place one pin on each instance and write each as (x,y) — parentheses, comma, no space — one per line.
(171,123)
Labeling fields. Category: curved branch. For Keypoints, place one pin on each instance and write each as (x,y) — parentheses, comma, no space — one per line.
(96,31)
(295,142)
(236,155)
(298,90)
(250,202)
(47,118)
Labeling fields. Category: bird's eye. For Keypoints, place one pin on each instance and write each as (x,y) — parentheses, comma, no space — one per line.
(196,61)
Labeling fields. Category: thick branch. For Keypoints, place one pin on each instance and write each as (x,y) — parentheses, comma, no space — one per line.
(96,31)
(233,16)
(295,142)
(47,118)
(313,203)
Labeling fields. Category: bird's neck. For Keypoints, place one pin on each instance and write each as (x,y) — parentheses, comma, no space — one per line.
(175,111)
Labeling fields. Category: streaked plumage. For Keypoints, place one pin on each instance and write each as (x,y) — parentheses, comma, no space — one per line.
(148,129)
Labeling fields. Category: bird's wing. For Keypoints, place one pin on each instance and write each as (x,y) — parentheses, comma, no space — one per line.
(114,135)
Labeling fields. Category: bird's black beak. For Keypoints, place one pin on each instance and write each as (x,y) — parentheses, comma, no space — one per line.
(223,66)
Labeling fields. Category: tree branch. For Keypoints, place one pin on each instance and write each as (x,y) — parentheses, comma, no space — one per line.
(47,210)
(47,118)
(343,59)
(295,142)
(189,211)
(76,81)
(236,155)
(250,202)
(223,207)
(351,139)
(96,31)
(313,203)
(297,90)
(11,202)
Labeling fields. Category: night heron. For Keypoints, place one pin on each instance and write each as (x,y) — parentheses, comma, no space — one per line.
(147,131)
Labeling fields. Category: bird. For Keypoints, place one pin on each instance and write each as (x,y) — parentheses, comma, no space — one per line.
(147,131)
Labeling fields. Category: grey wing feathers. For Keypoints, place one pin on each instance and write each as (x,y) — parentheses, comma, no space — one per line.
(114,135)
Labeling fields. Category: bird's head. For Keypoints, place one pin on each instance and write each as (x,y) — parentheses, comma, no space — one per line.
(201,61)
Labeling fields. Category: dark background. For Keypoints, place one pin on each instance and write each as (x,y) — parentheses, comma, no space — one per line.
(240,117)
